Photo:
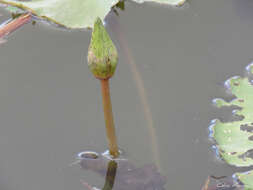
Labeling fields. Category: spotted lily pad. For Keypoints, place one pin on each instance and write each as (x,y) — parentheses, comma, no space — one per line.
(72,13)
(234,139)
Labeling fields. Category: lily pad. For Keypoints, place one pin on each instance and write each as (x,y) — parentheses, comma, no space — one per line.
(73,13)
(235,139)
(246,178)
(69,13)
(168,2)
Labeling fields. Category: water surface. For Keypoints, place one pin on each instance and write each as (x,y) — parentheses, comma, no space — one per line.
(50,104)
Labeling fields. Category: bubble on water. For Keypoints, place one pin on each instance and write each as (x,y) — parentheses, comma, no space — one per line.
(87,155)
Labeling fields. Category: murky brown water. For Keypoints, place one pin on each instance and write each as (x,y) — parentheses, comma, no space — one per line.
(50,105)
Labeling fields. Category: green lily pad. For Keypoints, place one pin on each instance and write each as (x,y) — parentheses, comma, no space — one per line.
(168,2)
(246,178)
(235,139)
(69,13)
(72,13)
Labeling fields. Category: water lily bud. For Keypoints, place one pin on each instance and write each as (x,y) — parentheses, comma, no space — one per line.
(102,53)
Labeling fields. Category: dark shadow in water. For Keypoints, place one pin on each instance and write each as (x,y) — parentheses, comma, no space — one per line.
(244,9)
(121,174)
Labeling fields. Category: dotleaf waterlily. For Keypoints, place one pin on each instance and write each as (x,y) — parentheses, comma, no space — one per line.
(234,139)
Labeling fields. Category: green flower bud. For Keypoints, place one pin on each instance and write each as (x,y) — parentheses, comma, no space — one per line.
(102,53)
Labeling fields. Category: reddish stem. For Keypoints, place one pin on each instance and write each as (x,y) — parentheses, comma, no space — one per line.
(110,129)
(15,24)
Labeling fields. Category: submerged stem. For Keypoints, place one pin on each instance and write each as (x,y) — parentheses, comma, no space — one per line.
(110,175)
(109,124)
(15,24)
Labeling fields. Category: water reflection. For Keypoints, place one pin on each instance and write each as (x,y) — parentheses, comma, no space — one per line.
(122,174)
(110,175)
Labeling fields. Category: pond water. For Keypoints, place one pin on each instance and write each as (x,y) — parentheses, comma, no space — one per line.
(50,104)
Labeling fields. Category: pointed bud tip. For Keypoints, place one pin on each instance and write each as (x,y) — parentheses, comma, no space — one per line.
(102,53)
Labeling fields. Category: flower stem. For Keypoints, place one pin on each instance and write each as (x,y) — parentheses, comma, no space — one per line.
(15,24)
(109,124)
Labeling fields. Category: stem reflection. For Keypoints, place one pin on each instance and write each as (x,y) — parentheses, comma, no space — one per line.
(110,175)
